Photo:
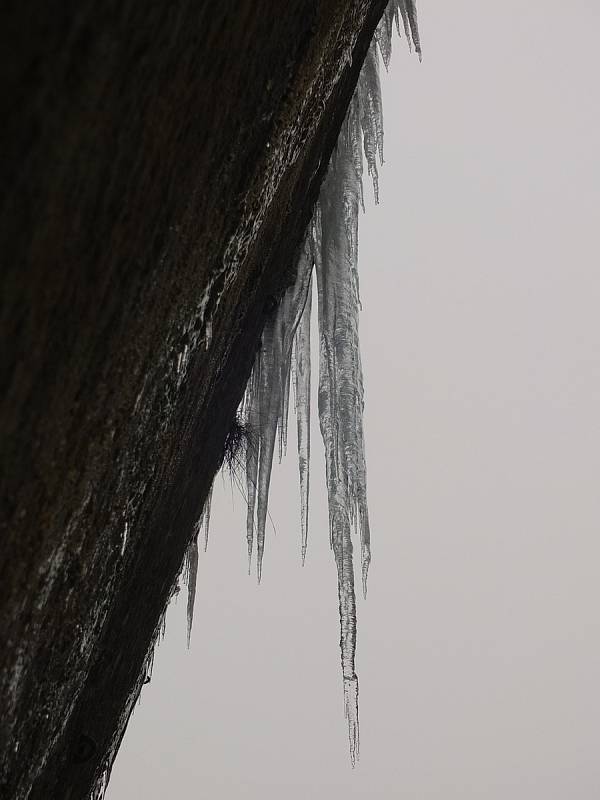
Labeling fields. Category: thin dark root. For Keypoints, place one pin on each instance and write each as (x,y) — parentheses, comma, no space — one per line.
(241,438)
(237,442)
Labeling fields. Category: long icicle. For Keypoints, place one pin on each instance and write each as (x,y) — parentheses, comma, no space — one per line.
(331,247)
(267,404)
(301,369)
(190,570)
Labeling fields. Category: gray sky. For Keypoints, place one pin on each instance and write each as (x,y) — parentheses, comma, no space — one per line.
(479,644)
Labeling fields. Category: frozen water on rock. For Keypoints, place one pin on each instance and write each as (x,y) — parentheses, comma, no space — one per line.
(395,11)
(330,250)
(190,564)
(266,402)
(191,575)
(351,714)
(301,373)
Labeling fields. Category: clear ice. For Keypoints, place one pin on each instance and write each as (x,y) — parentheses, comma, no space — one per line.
(330,252)
(190,564)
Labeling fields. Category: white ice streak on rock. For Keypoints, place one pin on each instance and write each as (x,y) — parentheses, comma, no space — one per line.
(124,536)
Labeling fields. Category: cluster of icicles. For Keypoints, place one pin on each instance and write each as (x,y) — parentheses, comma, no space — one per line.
(329,251)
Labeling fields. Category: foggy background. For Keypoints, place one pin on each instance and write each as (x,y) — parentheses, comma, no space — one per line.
(479,643)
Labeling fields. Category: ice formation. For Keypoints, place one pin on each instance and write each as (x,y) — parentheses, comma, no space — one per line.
(330,251)
(190,565)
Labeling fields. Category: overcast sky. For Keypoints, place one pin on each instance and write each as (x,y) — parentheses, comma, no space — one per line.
(479,644)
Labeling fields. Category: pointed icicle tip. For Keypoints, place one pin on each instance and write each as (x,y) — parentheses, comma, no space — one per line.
(351,713)
(366,562)
(192,575)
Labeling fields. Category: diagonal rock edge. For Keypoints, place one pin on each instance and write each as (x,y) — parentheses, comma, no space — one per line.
(138,397)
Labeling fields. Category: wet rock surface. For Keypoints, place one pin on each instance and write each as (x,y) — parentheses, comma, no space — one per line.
(160,164)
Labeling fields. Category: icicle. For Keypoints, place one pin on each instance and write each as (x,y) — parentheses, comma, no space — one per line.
(408,11)
(191,574)
(405,23)
(190,569)
(204,521)
(368,98)
(397,10)
(301,371)
(283,417)
(270,400)
(251,402)
(383,33)
(267,403)
(352,131)
(341,394)
(351,714)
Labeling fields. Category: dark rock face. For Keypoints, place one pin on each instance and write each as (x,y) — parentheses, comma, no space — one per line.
(160,162)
